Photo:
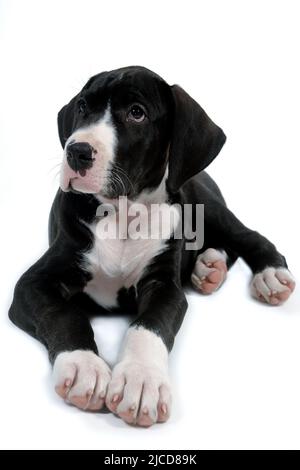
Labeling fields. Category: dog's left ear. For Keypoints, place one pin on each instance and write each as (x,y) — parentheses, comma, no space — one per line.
(65,121)
(196,140)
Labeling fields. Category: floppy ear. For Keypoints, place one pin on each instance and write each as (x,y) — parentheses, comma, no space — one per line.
(65,120)
(196,140)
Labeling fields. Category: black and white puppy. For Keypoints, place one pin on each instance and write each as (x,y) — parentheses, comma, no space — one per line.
(128,133)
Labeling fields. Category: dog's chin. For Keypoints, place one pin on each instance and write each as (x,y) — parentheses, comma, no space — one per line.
(75,185)
(81,185)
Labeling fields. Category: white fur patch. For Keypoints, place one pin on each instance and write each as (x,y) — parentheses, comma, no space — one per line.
(81,377)
(140,381)
(205,260)
(211,255)
(142,345)
(102,137)
(207,278)
(115,262)
(273,285)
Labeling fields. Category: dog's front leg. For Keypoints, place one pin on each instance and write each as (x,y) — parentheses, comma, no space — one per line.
(139,391)
(41,308)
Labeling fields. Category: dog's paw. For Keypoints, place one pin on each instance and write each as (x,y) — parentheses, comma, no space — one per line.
(273,285)
(210,271)
(81,378)
(139,393)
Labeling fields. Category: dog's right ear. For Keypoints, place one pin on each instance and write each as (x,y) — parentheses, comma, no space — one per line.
(65,121)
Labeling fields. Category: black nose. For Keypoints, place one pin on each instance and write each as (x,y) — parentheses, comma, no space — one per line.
(80,156)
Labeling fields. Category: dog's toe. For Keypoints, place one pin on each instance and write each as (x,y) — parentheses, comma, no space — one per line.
(273,285)
(64,384)
(115,391)
(164,403)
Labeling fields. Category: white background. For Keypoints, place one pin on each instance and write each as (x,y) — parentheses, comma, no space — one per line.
(235,366)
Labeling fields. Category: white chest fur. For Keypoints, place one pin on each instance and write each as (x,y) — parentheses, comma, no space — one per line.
(116,261)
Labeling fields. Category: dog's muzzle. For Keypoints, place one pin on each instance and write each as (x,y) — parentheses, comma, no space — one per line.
(81,168)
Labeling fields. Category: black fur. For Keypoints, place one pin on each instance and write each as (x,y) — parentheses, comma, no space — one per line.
(48,300)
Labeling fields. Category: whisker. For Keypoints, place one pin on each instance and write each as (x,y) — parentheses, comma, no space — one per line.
(54,168)
(123,173)
(116,181)
(119,179)
(54,158)
(56,177)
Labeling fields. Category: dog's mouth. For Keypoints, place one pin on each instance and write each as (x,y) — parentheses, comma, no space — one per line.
(109,183)
(83,180)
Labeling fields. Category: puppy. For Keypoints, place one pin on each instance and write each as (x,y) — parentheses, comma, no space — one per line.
(130,137)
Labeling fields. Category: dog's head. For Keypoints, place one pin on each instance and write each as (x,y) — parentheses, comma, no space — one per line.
(127,129)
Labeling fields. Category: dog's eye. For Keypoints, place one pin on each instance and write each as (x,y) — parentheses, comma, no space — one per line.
(136,113)
(81,106)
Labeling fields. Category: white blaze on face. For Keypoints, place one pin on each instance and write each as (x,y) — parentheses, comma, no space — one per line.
(102,137)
